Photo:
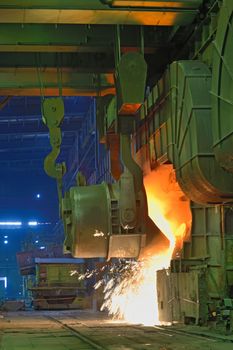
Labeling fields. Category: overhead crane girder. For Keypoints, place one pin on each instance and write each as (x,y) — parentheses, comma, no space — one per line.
(99,12)
(36,82)
(15,37)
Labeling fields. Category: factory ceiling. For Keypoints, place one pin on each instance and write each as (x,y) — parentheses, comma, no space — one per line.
(100,12)
(80,37)
(70,46)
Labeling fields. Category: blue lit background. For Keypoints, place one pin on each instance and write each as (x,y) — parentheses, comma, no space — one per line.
(26,192)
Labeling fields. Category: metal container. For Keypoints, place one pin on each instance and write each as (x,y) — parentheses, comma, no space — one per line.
(222,89)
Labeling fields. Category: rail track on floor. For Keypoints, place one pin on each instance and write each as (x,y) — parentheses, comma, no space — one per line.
(72,330)
(141,331)
(93,345)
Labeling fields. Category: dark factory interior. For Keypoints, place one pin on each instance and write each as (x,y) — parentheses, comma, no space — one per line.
(116,182)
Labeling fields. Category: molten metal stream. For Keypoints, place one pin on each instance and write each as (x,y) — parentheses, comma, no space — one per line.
(131,290)
(132,296)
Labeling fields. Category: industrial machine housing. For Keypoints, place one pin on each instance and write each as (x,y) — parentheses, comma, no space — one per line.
(53,281)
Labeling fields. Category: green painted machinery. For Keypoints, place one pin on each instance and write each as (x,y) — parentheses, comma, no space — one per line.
(183,132)
(180,117)
(56,288)
(222,89)
(107,220)
(192,108)
(188,122)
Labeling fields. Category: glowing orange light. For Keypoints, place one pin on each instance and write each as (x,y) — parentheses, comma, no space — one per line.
(167,206)
(134,298)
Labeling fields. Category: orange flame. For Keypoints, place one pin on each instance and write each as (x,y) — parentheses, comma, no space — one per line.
(167,206)
(135,299)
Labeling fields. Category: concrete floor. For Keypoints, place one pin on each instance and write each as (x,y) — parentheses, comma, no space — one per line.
(77,330)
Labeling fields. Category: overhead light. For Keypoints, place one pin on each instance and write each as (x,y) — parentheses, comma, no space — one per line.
(5,242)
(42,247)
(4,279)
(38,195)
(32,223)
(36,241)
(10,223)
(5,236)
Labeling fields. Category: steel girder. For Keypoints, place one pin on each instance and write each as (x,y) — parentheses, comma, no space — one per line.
(35,33)
(99,12)
(45,81)
(86,50)
(74,38)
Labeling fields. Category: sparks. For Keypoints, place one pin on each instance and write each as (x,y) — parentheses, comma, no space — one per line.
(130,291)
(130,287)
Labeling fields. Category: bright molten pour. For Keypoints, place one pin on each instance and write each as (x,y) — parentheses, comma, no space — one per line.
(131,290)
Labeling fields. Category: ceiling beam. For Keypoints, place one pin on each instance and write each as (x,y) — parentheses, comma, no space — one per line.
(162,13)
(45,81)
(73,38)
(92,63)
